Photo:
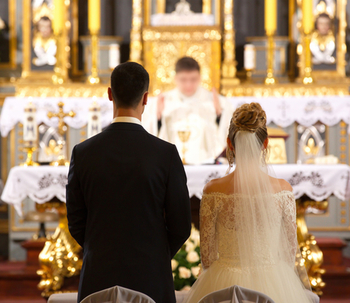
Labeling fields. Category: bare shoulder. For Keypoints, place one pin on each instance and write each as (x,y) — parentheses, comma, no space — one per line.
(211,186)
(217,185)
(285,185)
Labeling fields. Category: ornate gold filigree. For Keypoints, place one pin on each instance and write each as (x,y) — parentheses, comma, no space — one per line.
(135,34)
(59,258)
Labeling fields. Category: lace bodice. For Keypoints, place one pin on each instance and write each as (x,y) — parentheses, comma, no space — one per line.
(220,230)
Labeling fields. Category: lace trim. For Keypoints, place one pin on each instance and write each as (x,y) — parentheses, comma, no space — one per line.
(278,194)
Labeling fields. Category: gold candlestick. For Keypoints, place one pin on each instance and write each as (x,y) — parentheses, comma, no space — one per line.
(184,136)
(270,79)
(29,161)
(308,26)
(94,78)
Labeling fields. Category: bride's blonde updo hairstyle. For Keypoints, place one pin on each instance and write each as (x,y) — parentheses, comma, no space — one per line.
(248,117)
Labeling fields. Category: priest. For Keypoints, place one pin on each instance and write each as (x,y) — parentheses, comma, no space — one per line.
(189,108)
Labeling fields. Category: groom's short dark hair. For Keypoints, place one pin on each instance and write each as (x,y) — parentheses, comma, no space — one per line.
(129,81)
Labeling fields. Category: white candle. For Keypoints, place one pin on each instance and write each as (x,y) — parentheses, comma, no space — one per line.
(30,129)
(249,57)
(94,123)
(114,56)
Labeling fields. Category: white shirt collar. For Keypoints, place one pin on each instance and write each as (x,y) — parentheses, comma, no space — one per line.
(127,120)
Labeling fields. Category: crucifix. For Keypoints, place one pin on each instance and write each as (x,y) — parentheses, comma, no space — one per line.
(62,128)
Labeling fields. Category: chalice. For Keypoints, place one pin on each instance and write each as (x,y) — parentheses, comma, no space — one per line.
(184,136)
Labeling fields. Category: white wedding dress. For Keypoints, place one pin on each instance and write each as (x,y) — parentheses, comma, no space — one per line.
(248,237)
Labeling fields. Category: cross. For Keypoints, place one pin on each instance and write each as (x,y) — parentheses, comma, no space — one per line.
(61,115)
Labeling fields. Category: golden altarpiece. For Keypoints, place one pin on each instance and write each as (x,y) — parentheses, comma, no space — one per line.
(157,46)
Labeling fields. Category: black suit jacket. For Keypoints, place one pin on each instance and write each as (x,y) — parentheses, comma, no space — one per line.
(128,207)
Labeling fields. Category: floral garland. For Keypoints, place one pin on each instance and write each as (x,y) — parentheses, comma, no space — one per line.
(186,263)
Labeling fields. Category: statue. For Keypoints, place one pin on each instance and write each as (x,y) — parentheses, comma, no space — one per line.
(323,40)
(44,43)
(183,8)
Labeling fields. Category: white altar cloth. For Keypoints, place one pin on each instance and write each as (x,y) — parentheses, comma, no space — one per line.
(283,111)
(42,183)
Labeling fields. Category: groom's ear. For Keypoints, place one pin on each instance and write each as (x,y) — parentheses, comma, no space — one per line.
(110,95)
(145,99)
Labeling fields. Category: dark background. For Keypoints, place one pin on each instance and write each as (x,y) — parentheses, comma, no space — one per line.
(248,16)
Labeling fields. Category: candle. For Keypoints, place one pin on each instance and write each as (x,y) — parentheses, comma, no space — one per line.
(30,130)
(270,16)
(114,56)
(94,18)
(249,57)
(58,16)
(308,16)
(94,122)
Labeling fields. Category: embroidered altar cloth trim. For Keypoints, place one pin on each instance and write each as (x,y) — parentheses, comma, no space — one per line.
(42,183)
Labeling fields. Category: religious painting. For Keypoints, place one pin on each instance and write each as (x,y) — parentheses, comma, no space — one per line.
(7,34)
(323,40)
(43,54)
(328,40)
(39,43)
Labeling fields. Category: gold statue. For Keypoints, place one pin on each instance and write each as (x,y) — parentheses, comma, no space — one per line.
(62,128)
(53,148)
(59,258)
(310,148)
(184,136)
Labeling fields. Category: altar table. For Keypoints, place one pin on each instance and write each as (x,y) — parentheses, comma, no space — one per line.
(42,183)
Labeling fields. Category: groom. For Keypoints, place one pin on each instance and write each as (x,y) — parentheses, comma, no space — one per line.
(127,200)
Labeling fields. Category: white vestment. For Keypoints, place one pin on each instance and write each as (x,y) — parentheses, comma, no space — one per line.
(196,114)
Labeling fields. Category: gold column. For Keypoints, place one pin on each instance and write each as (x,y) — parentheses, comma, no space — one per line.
(229,63)
(207,7)
(341,47)
(308,24)
(161,6)
(94,21)
(135,35)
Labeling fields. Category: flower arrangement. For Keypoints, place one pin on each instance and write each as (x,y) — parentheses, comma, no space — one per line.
(186,263)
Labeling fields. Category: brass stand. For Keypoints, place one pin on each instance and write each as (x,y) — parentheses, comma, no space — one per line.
(94,78)
(307,79)
(184,136)
(270,79)
(29,161)
(60,257)
(310,252)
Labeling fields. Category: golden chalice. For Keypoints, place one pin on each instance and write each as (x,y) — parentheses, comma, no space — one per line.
(184,136)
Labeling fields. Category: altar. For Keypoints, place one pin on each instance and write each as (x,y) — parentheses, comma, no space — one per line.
(303,88)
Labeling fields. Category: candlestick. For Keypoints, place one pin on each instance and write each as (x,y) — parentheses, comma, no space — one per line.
(270,16)
(94,27)
(308,16)
(94,15)
(114,56)
(308,26)
(94,122)
(58,16)
(249,60)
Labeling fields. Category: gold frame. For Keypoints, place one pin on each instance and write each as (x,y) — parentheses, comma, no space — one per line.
(13,36)
(341,48)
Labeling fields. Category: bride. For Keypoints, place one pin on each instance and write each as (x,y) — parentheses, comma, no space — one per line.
(248,221)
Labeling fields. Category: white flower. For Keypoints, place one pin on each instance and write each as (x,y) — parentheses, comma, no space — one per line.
(173,276)
(192,257)
(174,264)
(195,271)
(184,273)
(190,246)
(195,237)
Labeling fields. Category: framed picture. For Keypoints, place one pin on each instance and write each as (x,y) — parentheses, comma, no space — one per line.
(8,35)
(39,43)
(328,40)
